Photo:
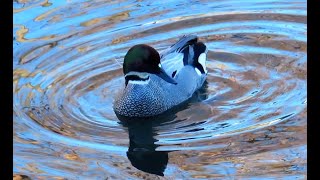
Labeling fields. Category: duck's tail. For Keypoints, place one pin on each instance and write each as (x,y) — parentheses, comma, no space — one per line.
(194,52)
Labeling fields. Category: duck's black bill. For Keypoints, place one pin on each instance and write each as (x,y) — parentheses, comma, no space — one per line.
(166,77)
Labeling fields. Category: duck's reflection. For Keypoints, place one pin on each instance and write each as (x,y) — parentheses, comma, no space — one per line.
(142,148)
(142,151)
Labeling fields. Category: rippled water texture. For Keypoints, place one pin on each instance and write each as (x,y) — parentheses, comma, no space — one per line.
(249,120)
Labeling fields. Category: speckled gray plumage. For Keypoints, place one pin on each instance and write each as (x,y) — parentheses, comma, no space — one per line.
(157,96)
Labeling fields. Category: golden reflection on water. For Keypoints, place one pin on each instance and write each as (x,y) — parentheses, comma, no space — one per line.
(250,122)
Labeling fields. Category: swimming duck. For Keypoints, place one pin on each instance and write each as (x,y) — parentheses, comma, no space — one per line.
(155,83)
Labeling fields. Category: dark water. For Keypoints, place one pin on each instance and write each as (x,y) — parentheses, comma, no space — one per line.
(248,121)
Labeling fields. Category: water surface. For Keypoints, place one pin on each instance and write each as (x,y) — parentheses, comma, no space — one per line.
(247,122)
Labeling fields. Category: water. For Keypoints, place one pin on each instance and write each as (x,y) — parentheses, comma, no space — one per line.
(248,121)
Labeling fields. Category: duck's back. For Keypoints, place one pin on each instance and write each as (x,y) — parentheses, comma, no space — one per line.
(185,62)
(188,81)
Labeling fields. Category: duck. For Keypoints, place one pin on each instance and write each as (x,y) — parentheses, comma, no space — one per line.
(156,82)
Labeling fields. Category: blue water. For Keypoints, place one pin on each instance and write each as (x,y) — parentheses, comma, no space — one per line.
(247,122)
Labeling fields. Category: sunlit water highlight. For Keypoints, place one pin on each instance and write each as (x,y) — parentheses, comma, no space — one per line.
(248,121)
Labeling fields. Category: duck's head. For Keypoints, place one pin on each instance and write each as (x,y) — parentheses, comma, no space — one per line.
(140,61)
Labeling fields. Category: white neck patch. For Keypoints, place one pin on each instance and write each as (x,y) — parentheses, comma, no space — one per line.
(142,75)
(139,81)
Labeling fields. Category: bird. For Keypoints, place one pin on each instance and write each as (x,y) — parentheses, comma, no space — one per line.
(156,82)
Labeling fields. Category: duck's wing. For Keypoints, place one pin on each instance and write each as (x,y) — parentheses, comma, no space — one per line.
(187,51)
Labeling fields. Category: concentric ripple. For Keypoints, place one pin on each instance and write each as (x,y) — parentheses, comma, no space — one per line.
(68,69)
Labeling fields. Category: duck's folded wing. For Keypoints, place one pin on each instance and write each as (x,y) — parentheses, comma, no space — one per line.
(187,51)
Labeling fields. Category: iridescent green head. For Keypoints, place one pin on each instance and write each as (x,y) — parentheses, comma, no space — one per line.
(144,59)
